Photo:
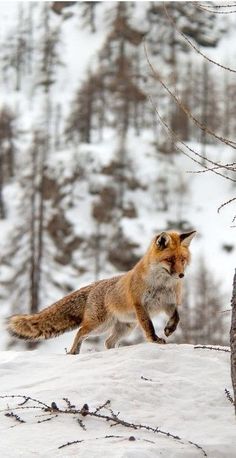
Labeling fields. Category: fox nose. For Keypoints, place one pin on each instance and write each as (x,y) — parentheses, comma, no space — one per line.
(181,275)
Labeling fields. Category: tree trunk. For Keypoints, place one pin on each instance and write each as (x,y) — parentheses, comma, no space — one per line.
(233,339)
(2,206)
(204,119)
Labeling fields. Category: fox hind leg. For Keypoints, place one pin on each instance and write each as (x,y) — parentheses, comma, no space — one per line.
(86,328)
(79,337)
(119,330)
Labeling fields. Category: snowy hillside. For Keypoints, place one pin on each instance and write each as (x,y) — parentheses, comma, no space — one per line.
(177,389)
(96,158)
(89,175)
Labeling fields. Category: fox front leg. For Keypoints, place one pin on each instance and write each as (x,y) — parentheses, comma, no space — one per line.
(147,326)
(173,321)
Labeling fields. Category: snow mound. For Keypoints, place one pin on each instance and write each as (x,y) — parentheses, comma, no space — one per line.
(178,388)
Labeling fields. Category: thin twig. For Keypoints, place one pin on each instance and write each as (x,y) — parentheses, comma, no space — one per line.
(218,6)
(172,135)
(15,416)
(193,45)
(146,379)
(70,443)
(110,436)
(47,419)
(226,203)
(229,397)
(212,348)
(68,403)
(183,107)
(106,404)
(220,166)
(200,7)
(113,418)
(26,398)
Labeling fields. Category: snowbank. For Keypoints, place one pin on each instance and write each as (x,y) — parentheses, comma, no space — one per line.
(178,388)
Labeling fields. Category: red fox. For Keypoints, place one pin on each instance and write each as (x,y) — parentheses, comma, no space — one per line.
(120,303)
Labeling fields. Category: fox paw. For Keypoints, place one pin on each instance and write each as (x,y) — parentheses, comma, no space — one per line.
(160,340)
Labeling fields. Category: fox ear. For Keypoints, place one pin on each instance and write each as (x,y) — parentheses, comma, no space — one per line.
(186,238)
(163,240)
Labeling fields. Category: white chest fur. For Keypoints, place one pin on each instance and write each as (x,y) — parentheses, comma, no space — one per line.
(160,289)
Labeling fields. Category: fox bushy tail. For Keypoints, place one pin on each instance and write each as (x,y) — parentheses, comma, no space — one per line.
(64,315)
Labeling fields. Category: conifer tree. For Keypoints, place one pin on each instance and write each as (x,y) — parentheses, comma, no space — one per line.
(89,14)
(7,151)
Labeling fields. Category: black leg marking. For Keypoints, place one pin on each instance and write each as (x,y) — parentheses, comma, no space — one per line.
(172,323)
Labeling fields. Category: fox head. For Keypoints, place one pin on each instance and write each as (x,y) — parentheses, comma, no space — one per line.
(171,251)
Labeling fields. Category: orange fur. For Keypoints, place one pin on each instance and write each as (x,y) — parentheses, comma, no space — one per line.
(119,303)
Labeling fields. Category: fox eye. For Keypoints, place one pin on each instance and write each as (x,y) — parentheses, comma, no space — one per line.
(168,259)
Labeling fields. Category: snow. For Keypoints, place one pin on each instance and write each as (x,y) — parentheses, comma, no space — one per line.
(178,388)
(182,389)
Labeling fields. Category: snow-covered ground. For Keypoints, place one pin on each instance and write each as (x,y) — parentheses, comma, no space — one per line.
(177,388)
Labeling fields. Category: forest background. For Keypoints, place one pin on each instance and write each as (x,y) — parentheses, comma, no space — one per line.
(96,155)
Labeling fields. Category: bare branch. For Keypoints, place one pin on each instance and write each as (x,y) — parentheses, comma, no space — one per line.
(113,418)
(172,134)
(229,397)
(203,8)
(220,166)
(207,347)
(194,46)
(178,102)
(70,443)
(232,5)
(15,416)
(226,203)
